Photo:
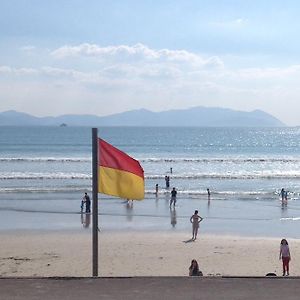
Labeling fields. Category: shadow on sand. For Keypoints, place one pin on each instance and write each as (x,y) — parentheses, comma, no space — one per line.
(188,241)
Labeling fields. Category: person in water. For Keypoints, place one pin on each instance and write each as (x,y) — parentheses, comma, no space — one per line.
(208,193)
(156,189)
(173,197)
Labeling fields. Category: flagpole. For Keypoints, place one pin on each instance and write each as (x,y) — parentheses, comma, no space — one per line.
(95,200)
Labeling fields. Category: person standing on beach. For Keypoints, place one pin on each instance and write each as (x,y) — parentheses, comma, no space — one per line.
(173,197)
(208,194)
(285,255)
(195,220)
(286,196)
(156,189)
(282,194)
(167,179)
(87,201)
(82,204)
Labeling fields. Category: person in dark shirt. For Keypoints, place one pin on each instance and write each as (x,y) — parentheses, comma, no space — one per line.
(208,194)
(167,179)
(173,197)
(87,202)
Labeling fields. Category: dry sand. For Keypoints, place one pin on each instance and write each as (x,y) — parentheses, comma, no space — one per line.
(140,254)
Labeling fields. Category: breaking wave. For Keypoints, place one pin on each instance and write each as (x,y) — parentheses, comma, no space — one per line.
(158,160)
(84,176)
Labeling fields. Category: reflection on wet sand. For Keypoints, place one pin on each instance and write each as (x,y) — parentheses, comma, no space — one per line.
(85,219)
(173,216)
(129,210)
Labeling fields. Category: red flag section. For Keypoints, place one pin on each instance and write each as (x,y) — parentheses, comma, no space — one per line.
(119,174)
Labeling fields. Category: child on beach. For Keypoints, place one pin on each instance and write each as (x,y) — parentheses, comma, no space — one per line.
(285,255)
(194,269)
(195,220)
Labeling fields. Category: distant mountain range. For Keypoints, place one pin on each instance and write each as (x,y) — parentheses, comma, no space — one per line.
(196,116)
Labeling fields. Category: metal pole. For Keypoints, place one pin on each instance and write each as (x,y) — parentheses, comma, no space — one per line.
(95,199)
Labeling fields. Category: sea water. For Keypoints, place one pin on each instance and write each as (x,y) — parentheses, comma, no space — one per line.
(44,172)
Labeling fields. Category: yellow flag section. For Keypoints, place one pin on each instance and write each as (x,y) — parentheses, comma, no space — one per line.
(119,174)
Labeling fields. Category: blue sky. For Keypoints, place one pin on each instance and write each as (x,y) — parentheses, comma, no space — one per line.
(104,57)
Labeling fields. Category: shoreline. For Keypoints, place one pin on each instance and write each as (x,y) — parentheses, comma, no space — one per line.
(131,253)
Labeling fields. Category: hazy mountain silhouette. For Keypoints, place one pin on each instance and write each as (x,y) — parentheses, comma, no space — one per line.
(196,116)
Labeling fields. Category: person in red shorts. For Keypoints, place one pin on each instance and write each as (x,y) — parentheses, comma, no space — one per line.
(285,255)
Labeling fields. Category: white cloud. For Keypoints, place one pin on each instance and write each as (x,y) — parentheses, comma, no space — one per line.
(28,48)
(129,77)
(136,53)
(235,23)
(17,71)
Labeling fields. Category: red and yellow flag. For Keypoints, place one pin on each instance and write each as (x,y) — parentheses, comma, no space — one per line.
(119,174)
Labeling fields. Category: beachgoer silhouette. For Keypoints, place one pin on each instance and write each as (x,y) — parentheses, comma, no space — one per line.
(82,204)
(195,220)
(194,269)
(156,189)
(208,194)
(286,196)
(173,197)
(167,179)
(282,194)
(87,201)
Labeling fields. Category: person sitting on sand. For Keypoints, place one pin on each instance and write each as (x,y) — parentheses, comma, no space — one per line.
(285,255)
(194,269)
(195,220)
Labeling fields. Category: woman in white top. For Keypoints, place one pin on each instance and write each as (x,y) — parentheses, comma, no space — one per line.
(285,255)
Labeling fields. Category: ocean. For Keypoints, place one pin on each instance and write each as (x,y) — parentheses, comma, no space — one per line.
(46,170)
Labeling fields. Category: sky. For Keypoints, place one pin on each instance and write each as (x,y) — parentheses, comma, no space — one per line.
(104,57)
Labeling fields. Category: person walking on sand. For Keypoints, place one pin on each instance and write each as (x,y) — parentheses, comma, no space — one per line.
(195,220)
(173,197)
(285,255)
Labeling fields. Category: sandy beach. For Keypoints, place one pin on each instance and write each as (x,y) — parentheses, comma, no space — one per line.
(140,254)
